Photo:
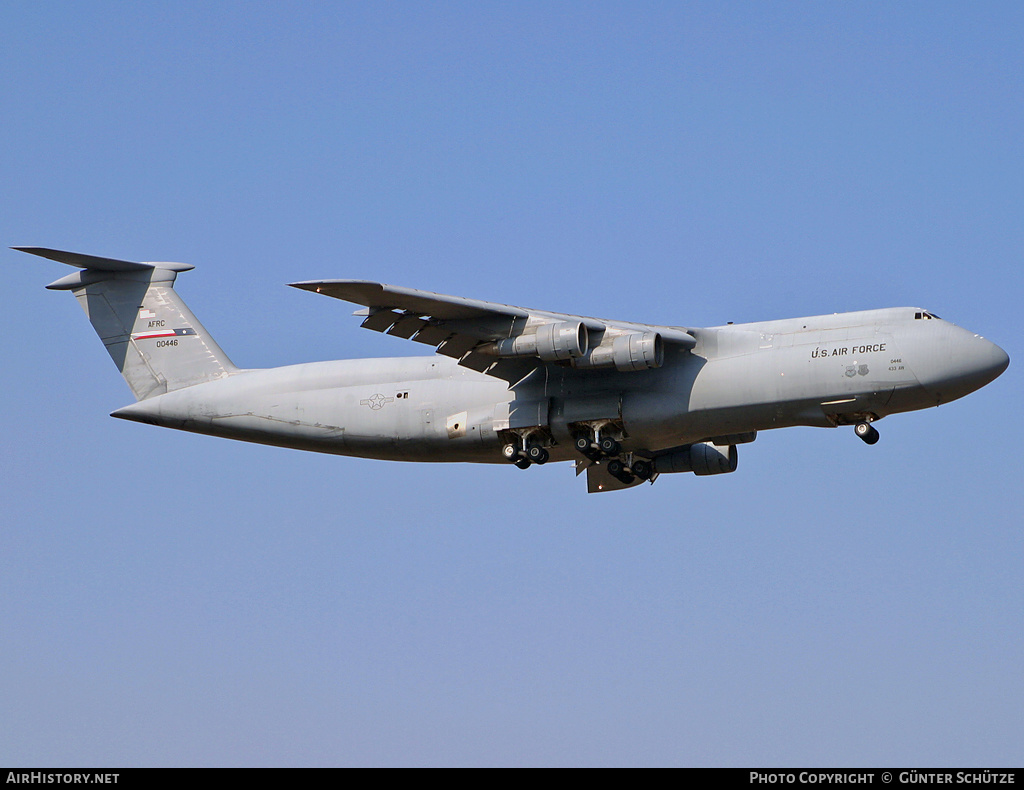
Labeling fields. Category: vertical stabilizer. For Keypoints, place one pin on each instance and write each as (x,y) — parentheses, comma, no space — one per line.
(149,332)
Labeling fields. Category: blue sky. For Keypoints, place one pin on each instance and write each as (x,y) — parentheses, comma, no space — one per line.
(169,599)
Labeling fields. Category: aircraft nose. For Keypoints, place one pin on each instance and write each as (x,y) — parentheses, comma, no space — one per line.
(980,362)
(965,363)
(990,361)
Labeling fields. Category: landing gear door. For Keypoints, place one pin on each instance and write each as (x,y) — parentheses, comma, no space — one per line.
(599,480)
(569,414)
(528,414)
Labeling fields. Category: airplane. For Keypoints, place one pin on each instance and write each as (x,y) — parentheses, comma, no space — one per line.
(627,402)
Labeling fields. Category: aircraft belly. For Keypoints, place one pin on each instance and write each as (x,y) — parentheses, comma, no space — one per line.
(316,409)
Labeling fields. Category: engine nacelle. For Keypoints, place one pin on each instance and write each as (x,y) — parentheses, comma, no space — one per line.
(551,342)
(635,351)
(638,351)
(702,458)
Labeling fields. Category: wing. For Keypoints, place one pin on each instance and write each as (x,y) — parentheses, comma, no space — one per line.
(502,340)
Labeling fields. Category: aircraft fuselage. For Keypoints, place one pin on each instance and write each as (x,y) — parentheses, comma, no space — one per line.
(738,379)
(626,401)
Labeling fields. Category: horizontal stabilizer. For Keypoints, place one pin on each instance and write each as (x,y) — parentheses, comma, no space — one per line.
(101,264)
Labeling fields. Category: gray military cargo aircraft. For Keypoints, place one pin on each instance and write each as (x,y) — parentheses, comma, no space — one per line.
(627,402)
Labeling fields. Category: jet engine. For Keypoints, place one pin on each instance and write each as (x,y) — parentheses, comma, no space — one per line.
(702,458)
(635,351)
(551,342)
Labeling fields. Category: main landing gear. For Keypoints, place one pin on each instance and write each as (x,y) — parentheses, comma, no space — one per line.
(637,469)
(607,450)
(525,453)
(866,432)
(597,447)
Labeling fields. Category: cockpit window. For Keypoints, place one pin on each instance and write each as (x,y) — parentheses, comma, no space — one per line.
(925,314)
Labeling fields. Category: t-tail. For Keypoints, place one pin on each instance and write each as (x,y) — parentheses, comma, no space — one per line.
(153,338)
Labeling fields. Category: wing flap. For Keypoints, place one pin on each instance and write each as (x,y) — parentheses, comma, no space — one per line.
(407,326)
(474,360)
(512,370)
(432,335)
(457,345)
(381,320)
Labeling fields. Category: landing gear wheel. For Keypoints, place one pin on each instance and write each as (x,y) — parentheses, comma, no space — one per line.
(510,452)
(617,469)
(537,454)
(866,431)
(583,444)
(643,469)
(522,463)
(609,446)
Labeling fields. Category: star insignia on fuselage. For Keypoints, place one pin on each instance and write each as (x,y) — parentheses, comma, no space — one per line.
(376,402)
